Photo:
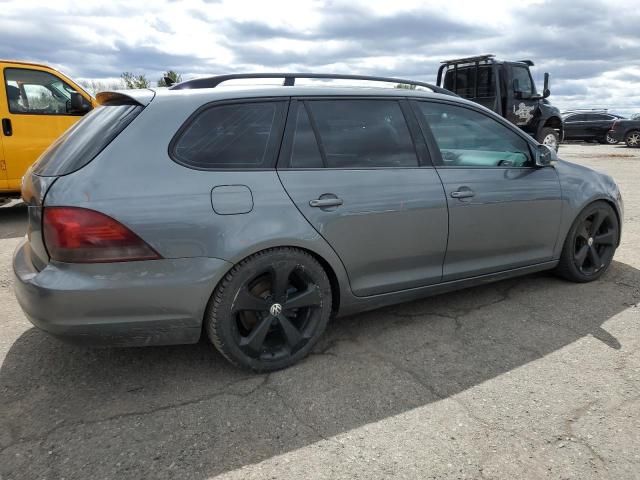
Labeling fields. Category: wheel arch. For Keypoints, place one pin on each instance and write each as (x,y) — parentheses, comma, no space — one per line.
(552,122)
(613,206)
(337,277)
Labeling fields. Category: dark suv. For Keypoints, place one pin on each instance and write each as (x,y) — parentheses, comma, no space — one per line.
(589,126)
(254,214)
(627,130)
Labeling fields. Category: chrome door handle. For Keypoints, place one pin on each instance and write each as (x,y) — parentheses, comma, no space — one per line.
(463,193)
(325,202)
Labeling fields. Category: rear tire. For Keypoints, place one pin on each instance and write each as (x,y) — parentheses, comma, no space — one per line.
(548,136)
(632,139)
(270,309)
(609,140)
(590,244)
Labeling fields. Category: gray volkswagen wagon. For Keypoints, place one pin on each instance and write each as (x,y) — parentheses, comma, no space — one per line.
(256,213)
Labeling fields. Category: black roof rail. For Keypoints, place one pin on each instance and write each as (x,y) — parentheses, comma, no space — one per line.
(290,80)
(478,58)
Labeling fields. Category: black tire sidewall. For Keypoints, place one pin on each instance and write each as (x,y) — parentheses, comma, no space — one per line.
(219,320)
(567,265)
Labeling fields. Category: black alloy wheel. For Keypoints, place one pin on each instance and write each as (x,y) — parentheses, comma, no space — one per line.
(594,243)
(591,244)
(270,309)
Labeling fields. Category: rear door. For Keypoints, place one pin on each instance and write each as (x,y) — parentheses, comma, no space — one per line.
(34,113)
(352,169)
(504,212)
(575,126)
(599,125)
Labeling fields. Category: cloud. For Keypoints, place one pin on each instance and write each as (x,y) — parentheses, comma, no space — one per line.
(590,47)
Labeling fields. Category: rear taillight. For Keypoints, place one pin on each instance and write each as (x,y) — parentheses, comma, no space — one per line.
(79,235)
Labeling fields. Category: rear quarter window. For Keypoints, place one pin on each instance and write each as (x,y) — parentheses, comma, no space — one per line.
(86,139)
(231,136)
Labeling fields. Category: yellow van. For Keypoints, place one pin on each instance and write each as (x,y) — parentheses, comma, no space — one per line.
(37,104)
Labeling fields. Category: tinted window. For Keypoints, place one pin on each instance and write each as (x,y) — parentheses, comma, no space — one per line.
(576,118)
(525,85)
(305,152)
(469,138)
(230,136)
(34,91)
(363,133)
(599,117)
(465,81)
(85,139)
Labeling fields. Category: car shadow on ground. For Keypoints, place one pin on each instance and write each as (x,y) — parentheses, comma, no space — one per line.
(184,412)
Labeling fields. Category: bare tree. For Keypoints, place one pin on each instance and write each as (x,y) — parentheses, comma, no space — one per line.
(131,80)
(95,86)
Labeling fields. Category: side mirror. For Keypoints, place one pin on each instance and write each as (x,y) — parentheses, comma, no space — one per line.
(546,156)
(546,92)
(78,104)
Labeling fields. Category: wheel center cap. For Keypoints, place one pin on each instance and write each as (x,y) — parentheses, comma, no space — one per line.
(276,309)
(589,242)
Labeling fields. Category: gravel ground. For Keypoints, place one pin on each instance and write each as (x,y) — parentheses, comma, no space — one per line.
(528,378)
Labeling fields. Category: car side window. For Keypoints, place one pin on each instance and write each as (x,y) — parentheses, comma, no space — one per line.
(241,135)
(362,134)
(37,92)
(305,152)
(467,138)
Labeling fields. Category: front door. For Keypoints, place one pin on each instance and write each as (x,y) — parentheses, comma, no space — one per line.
(504,212)
(522,110)
(34,113)
(351,168)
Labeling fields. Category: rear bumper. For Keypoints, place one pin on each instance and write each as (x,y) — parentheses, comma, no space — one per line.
(616,135)
(157,302)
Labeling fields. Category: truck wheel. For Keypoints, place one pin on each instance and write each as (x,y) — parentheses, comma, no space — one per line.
(632,139)
(548,136)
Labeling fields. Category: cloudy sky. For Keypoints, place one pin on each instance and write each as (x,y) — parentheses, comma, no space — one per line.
(591,48)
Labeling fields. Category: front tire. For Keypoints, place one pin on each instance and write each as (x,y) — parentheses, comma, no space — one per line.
(632,139)
(590,244)
(550,137)
(270,309)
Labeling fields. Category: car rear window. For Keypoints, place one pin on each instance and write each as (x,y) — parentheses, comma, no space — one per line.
(86,139)
(239,135)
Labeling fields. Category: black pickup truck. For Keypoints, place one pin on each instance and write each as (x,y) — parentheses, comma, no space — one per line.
(508,89)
